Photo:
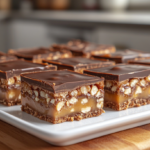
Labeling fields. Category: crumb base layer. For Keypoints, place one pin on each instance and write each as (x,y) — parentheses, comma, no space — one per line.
(11,103)
(78,116)
(135,102)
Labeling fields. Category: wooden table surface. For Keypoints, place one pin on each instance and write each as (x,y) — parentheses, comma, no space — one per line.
(12,138)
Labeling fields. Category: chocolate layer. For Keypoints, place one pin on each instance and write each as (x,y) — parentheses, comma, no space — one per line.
(29,53)
(140,53)
(142,62)
(78,62)
(5,58)
(120,72)
(119,56)
(82,48)
(59,81)
(14,68)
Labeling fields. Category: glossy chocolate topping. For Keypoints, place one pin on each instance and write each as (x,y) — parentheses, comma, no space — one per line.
(77,61)
(120,72)
(119,56)
(143,61)
(29,53)
(11,68)
(81,46)
(5,58)
(59,81)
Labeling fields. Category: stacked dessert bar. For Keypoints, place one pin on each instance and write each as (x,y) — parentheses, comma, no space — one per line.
(89,76)
(36,55)
(84,49)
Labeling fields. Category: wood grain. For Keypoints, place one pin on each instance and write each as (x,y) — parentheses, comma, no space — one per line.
(12,138)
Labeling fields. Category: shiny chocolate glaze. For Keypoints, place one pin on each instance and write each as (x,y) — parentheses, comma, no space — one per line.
(81,47)
(59,81)
(5,58)
(119,56)
(14,68)
(77,62)
(29,53)
(120,72)
(142,62)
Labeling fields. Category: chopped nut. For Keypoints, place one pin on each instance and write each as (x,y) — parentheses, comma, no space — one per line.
(30,92)
(88,88)
(36,93)
(98,94)
(74,93)
(85,110)
(142,82)
(60,105)
(52,101)
(63,94)
(122,89)
(47,100)
(100,105)
(11,81)
(19,97)
(42,94)
(100,100)
(108,84)
(127,91)
(73,100)
(133,82)
(36,99)
(84,90)
(148,78)
(138,90)
(94,90)
(114,88)
(84,101)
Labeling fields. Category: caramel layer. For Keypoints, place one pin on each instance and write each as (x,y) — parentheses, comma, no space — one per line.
(120,99)
(12,94)
(71,110)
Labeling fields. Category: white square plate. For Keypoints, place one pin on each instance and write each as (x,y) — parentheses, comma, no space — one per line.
(77,131)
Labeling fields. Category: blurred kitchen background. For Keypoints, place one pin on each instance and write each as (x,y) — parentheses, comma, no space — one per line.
(34,23)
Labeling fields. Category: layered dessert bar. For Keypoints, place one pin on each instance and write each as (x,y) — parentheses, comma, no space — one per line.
(126,85)
(78,64)
(118,57)
(10,84)
(59,96)
(85,49)
(36,55)
(4,57)
(141,62)
(140,53)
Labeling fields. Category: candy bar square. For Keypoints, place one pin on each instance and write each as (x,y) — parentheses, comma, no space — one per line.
(5,57)
(59,96)
(126,85)
(85,49)
(78,64)
(118,57)
(140,62)
(36,55)
(10,83)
